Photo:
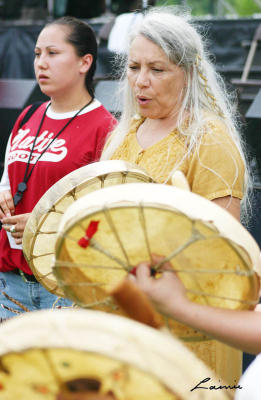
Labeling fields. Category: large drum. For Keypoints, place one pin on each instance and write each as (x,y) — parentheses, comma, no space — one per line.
(41,228)
(215,257)
(78,354)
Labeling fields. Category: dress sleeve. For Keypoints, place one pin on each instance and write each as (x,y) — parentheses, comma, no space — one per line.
(216,168)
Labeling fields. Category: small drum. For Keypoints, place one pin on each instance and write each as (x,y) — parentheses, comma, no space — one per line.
(213,254)
(41,228)
(69,354)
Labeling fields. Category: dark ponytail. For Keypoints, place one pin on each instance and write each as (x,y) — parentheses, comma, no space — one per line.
(83,39)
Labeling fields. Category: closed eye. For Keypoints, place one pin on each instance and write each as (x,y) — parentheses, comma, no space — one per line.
(133,67)
(157,70)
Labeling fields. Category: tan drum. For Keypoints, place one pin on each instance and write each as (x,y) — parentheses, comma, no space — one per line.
(41,228)
(57,355)
(214,255)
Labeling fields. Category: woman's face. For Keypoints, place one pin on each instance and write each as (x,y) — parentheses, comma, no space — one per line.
(58,69)
(156,82)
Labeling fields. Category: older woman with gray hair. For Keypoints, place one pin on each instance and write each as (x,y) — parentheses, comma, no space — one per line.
(177,114)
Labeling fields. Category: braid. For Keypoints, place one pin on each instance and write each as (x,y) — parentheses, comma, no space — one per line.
(204,82)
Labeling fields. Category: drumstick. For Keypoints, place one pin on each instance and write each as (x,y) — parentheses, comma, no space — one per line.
(136,304)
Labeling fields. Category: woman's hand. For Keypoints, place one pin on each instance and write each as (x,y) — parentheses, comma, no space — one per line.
(167,292)
(7,207)
(17,224)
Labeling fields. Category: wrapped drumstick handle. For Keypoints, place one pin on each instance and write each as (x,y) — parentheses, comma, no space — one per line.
(136,304)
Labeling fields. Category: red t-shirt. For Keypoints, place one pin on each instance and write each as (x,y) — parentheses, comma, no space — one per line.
(79,144)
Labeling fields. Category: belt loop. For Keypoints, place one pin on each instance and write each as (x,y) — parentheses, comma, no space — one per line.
(22,275)
(26,277)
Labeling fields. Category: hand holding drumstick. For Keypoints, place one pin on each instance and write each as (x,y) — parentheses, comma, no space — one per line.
(167,291)
(240,329)
(134,294)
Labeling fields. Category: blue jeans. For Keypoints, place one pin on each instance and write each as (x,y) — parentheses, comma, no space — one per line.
(30,294)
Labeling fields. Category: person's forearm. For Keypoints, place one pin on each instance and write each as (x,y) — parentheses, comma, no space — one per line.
(230,204)
(241,329)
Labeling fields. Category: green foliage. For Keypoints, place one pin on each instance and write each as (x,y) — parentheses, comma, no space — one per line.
(167,2)
(203,7)
(246,7)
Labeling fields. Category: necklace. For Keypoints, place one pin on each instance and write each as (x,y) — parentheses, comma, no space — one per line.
(22,186)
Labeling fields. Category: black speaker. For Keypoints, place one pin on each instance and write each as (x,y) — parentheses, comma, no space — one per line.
(11,9)
(15,95)
(85,9)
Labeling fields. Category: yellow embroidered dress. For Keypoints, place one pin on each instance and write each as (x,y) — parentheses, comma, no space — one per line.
(214,169)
